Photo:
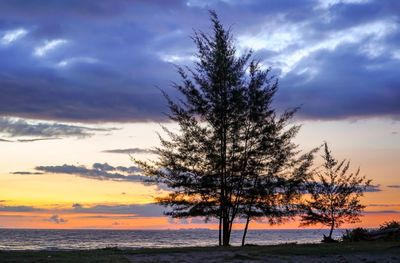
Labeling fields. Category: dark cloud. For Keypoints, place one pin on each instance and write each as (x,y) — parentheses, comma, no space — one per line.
(384,205)
(344,55)
(26,173)
(21,208)
(37,139)
(373,188)
(130,151)
(134,210)
(76,205)
(98,171)
(382,212)
(56,219)
(394,186)
(144,210)
(346,90)
(46,131)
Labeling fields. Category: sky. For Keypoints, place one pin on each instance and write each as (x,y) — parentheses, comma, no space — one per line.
(80,80)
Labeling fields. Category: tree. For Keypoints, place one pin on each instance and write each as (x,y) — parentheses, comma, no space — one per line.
(334,195)
(275,194)
(272,172)
(230,139)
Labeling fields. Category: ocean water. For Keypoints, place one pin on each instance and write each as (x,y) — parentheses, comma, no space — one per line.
(38,239)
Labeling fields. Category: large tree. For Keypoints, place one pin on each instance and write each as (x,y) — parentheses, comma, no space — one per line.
(334,194)
(232,145)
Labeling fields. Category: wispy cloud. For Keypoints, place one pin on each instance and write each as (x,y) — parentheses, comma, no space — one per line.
(16,127)
(98,171)
(144,210)
(383,205)
(103,210)
(373,188)
(12,35)
(42,50)
(69,61)
(382,212)
(26,173)
(20,208)
(131,151)
(394,186)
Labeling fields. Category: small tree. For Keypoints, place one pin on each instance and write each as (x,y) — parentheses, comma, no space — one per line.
(334,195)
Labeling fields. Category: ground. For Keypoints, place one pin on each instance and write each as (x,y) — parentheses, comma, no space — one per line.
(343,252)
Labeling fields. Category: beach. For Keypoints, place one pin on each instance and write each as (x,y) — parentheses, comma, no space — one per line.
(338,252)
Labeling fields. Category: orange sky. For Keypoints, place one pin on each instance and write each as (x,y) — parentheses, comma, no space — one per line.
(46,200)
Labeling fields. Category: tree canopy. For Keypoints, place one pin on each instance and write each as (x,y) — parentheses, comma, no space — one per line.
(234,155)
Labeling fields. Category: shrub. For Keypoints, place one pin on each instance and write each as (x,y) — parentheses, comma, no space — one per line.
(356,234)
(389,225)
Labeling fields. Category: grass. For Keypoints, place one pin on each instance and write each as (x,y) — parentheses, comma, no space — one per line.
(87,256)
(117,255)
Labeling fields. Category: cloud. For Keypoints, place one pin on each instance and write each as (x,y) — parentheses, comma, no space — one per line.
(15,127)
(331,51)
(26,173)
(12,35)
(76,205)
(394,186)
(384,205)
(98,171)
(49,45)
(71,61)
(37,139)
(99,210)
(20,208)
(373,188)
(56,219)
(139,210)
(382,212)
(131,151)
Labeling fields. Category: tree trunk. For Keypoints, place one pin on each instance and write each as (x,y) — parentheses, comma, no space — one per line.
(220,230)
(245,231)
(332,227)
(225,230)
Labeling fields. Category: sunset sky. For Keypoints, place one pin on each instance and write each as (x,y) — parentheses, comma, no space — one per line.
(79,92)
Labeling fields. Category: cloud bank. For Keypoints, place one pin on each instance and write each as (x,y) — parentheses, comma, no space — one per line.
(98,171)
(16,127)
(338,59)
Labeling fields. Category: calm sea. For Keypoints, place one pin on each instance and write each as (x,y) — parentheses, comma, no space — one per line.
(35,239)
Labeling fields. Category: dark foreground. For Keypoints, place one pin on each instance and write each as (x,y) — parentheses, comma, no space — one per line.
(309,253)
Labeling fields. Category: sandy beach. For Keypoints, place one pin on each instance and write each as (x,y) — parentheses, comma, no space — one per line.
(310,253)
(279,254)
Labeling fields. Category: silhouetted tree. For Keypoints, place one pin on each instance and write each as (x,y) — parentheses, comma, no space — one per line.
(275,193)
(231,145)
(334,195)
(272,174)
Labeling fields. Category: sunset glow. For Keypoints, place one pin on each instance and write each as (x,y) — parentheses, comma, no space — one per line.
(79,98)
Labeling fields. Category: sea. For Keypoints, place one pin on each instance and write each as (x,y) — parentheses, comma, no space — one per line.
(51,239)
